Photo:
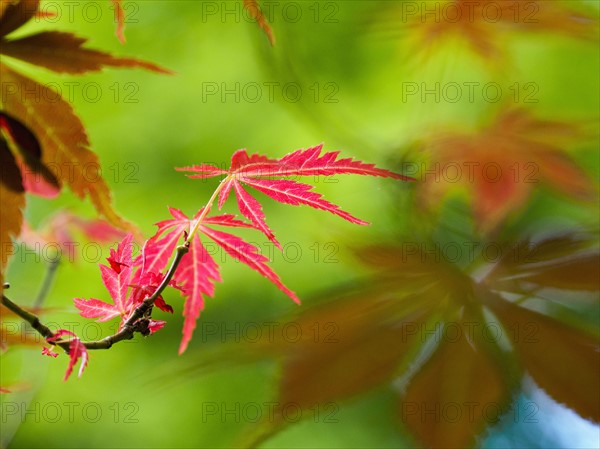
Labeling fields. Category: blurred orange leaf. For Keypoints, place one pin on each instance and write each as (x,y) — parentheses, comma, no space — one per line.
(120,20)
(255,12)
(501,165)
(485,25)
(13,202)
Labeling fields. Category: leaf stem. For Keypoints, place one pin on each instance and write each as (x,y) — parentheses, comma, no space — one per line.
(47,283)
(206,209)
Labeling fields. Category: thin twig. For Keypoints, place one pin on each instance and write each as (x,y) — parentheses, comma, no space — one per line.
(46,284)
(128,330)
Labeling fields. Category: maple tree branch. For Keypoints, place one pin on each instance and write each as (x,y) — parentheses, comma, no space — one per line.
(132,325)
(33,321)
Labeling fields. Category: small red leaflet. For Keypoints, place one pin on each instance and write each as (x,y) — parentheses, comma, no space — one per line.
(76,351)
(119,276)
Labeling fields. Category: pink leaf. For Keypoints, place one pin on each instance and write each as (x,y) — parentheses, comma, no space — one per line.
(162,305)
(224,193)
(296,193)
(117,277)
(227,220)
(248,254)
(203,171)
(49,352)
(77,350)
(94,308)
(59,334)
(155,325)
(196,273)
(307,162)
(157,251)
(148,283)
(252,210)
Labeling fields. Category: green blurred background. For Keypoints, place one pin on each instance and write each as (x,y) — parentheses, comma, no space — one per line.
(351,66)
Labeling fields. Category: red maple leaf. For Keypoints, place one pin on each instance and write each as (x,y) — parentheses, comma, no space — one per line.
(259,172)
(122,273)
(116,278)
(77,350)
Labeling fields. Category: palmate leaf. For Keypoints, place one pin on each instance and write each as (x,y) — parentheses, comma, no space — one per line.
(65,145)
(64,229)
(258,171)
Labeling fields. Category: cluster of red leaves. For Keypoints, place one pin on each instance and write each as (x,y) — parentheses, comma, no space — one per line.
(40,134)
(485,24)
(502,163)
(197,271)
(128,283)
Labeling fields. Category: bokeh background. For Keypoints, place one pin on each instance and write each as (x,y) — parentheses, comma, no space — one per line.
(342,74)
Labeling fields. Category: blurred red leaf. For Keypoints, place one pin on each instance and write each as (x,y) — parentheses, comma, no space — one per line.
(485,25)
(76,351)
(501,165)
